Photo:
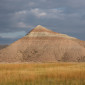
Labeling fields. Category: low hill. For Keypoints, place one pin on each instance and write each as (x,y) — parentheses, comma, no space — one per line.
(3,46)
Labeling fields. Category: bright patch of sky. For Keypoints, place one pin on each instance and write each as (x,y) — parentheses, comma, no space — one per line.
(13,34)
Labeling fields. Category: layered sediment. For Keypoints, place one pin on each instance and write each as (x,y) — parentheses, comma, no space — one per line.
(44,45)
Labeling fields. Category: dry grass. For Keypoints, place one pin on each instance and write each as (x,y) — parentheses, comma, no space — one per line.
(42,74)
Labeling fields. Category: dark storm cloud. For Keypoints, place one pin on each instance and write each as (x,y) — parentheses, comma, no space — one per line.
(64,16)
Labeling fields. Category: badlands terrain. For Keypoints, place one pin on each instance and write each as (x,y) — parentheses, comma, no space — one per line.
(63,59)
(44,45)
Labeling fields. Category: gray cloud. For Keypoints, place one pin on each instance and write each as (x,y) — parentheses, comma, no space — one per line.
(64,16)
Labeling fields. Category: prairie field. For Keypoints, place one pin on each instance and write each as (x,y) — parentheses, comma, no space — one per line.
(42,74)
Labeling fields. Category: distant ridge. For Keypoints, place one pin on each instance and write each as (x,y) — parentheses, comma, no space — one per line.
(3,46)
(44,45)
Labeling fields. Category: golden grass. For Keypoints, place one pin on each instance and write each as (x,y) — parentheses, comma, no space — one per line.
(42,74)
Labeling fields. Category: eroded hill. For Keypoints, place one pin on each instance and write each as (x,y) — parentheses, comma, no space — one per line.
(44,45)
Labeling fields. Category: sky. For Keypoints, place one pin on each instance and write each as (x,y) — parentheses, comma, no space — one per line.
(18,17)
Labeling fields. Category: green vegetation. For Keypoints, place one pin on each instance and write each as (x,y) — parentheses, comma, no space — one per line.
(42,74)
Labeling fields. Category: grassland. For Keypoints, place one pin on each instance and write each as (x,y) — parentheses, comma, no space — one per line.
(42,74)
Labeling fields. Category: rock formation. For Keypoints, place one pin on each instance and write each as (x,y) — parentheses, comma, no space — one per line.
(43,45)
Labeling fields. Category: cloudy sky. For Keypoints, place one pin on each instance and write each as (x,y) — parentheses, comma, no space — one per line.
(17,17)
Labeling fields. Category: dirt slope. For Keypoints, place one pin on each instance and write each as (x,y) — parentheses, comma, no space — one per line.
(43,45)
